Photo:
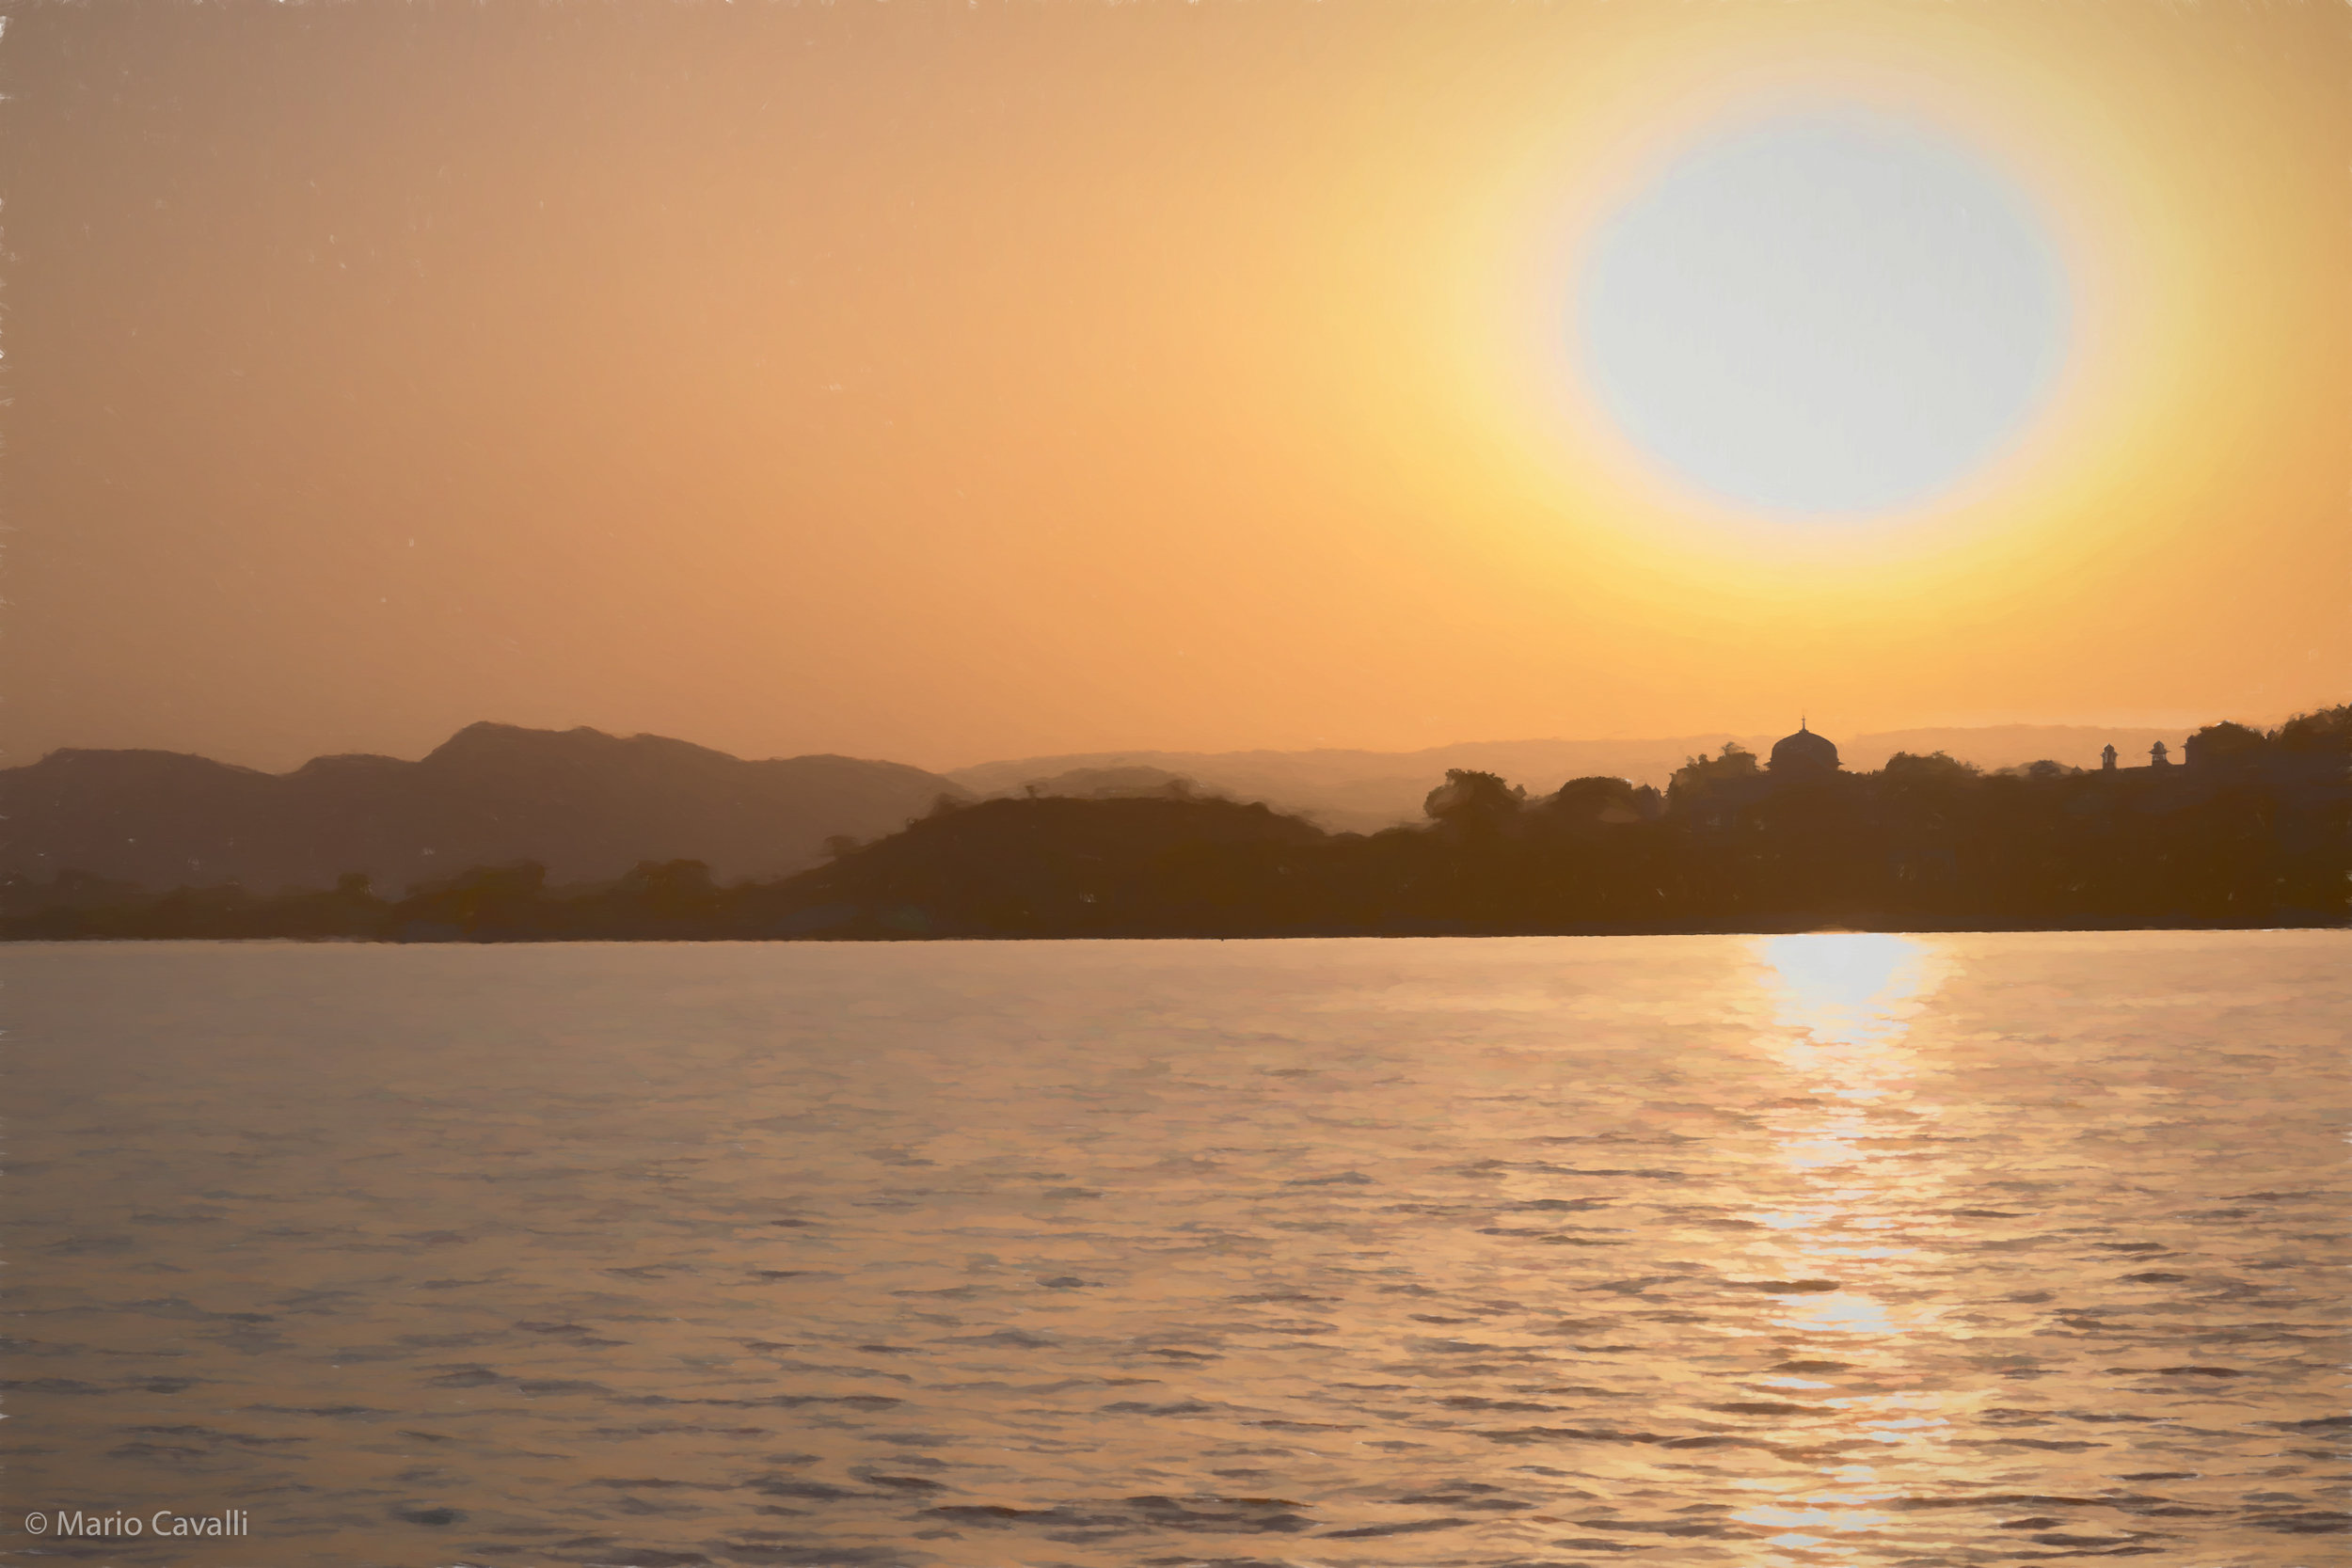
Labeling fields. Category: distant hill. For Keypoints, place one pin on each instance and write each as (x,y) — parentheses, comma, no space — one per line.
(1112,784)
(1364,791)
(586,804)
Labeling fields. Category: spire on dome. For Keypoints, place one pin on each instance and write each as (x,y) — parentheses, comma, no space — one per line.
(1805,753)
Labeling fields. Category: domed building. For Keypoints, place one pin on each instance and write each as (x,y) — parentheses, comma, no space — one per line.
(1803,754)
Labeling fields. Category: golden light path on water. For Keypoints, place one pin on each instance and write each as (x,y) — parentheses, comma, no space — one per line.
(1842,1003)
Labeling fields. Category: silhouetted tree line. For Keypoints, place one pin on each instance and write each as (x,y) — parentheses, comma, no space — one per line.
(2253,830)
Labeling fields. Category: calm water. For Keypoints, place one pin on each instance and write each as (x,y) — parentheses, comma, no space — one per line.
(1689,1251)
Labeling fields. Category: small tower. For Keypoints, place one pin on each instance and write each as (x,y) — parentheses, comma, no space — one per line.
(2156,758)
(2106,760)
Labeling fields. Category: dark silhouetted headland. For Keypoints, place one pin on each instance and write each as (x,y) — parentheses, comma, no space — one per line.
(1367,791)
(2239,829)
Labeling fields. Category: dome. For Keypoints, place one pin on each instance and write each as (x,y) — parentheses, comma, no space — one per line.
(1805,753)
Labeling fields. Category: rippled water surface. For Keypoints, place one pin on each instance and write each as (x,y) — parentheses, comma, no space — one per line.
(1802,1250)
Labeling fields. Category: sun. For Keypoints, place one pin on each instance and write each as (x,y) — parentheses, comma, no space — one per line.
(1824,316)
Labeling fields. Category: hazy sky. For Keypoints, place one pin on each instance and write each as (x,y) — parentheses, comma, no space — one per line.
(946,382)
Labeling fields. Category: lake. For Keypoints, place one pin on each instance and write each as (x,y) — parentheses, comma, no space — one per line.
(1846,1250)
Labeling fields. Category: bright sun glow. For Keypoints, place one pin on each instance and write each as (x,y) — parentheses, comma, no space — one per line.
(1826,315)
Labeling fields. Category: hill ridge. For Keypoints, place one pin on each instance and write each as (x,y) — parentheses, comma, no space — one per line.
(585,803)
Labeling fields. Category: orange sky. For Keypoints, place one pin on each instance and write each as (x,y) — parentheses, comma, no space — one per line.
(947,381)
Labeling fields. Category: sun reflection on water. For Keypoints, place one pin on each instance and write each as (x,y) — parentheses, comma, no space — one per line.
(1838,1228)
(1850,988)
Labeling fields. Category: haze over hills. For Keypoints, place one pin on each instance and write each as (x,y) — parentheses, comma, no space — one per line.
(2246,829)
(1365,791)
(585,804)
(590,805)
